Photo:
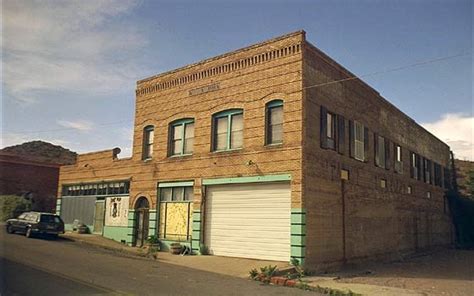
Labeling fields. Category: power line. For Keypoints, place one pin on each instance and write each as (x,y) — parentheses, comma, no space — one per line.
(306,87)
(392,69)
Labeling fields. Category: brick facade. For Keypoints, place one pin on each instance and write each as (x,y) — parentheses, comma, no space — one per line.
(34,179)
(249,78)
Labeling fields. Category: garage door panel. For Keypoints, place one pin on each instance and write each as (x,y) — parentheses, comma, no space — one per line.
(249,220)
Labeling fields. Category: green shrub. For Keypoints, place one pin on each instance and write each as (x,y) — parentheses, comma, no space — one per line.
(12,205)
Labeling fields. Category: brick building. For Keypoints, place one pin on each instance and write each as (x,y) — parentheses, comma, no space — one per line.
(267,152)
(35,180)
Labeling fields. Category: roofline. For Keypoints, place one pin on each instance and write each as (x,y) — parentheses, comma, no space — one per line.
(296,33)
(365,84)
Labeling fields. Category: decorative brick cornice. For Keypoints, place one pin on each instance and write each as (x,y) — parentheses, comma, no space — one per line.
(222,69)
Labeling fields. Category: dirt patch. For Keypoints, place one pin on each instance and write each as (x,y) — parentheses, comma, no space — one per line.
(447,272)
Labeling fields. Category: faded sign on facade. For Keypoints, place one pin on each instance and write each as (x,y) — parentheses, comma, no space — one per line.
(116,213)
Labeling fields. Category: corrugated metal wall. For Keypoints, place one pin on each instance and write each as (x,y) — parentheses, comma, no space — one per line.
(78,207)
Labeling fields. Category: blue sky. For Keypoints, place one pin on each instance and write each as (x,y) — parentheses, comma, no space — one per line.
(69,69)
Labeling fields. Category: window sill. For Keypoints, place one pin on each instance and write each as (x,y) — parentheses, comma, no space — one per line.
(178,156)
(275,145)
(228,151)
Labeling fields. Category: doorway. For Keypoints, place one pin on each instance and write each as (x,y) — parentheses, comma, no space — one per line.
(99,216)
(141,217)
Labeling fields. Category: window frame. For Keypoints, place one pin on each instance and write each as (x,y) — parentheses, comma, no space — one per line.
(183,123)
(380,150)
(360,141)
(398,162)
(272,105)
(228,114)
(147,147)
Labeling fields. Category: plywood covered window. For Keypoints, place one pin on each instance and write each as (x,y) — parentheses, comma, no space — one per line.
(148,137)
(228,130)
(175,212)
(274,123)
(181,137)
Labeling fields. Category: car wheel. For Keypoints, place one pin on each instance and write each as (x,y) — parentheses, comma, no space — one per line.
(10,229)
(28,233)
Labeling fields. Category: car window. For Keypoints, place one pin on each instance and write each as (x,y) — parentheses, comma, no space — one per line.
(48,219)
(57,219)
(31,217)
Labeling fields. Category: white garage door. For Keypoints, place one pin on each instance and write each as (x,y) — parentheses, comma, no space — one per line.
(249,220)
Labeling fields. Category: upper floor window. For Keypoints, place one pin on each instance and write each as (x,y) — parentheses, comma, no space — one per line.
(274,125)
(333,131)
(398,158)
(228,127)
(427,171)
(415,165)
(148,136)
(181,137)
(380,149)
(359,140)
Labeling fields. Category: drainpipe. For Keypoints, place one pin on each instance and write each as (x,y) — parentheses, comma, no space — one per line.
(343,189)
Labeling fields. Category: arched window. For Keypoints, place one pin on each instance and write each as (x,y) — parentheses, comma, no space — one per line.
(148,135)
(274,122)
(181,137)
(228,130)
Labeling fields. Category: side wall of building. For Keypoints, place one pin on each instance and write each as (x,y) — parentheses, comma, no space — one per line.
(38,180)
(359,219)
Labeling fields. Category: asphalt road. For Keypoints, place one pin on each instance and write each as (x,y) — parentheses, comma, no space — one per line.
(62,267)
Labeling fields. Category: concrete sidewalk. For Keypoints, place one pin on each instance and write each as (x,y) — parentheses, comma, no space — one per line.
(237,267)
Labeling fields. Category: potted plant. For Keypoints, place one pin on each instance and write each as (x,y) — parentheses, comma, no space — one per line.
(153,241)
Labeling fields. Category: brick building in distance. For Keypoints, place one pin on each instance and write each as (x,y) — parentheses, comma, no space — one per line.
(32,170)
(267,152)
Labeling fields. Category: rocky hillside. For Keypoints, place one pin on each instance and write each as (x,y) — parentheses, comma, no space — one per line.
(42,151)
(464,171)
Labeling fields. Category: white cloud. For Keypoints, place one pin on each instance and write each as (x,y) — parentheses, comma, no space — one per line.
(81,125)
(457,130)
(71,46)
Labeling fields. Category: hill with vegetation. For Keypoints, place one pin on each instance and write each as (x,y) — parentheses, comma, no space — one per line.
(42,152)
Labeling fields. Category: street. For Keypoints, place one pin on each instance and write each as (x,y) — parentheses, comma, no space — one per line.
(62,267)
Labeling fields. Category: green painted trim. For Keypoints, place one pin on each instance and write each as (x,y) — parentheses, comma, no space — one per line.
(58,201)
(298,240)
(196,226)
(298,229)
(298,211)
(228,112)
(250,179)
(298,251)
(275,103)
(152,216)
(197,216)
(298,219)
(116,233)
(176,184)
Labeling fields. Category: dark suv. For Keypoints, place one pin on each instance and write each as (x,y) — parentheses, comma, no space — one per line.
(31,223)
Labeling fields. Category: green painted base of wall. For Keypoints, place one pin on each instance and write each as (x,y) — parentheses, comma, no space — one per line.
(118,233)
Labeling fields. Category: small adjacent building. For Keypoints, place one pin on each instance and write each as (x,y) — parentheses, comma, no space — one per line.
(273,151)
(35,180)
